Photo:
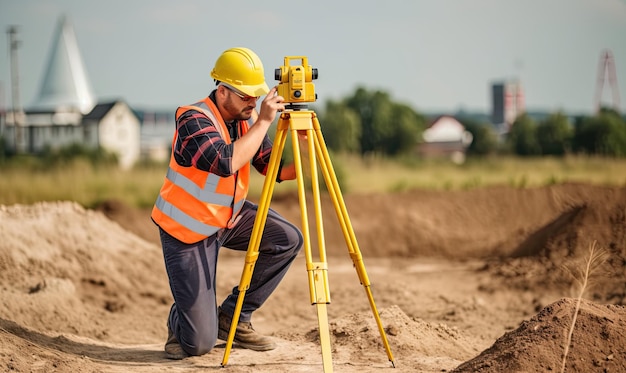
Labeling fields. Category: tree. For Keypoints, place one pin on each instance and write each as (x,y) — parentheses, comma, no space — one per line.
(386,127)
(406,127)
(554,135)
(522,138)
(370,107)
(603,134)
(484,137)
(341,127)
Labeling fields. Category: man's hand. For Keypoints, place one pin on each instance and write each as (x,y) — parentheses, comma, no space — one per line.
(288,172)
(245,147)
(271,104)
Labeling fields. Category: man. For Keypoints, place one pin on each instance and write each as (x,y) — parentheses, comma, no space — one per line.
(202,207)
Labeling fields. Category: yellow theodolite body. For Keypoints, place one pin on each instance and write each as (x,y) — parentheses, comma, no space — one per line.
(296,81)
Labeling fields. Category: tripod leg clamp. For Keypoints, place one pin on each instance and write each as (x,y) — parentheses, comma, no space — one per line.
(318,282)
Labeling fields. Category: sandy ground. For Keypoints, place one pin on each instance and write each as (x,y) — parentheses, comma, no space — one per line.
(472,281)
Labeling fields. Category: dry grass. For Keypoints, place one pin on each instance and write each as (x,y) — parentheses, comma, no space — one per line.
(357,175)
(81,182)
(583,275)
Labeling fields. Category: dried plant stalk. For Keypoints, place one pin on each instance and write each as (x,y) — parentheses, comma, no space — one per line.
(593,262)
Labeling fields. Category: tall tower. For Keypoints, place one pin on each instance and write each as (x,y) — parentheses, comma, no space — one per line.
(508,102)
(65,85)
(606,71)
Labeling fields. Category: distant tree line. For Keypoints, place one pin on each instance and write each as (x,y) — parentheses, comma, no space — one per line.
(370,122)
(602,134)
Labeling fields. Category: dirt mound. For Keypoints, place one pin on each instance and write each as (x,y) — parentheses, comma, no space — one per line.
(531,237)
(71,270)
(538,345)
(408,336)
(551,255)
(131,219)
(480,223)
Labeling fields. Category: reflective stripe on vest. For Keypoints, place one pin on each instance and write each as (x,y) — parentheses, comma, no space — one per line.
(184,219)
(206,194)
(204,108)
(203,209)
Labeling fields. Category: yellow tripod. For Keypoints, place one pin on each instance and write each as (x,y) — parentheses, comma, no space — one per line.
(306,121)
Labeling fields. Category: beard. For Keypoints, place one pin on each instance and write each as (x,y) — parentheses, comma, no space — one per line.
(236,113)
(246,113)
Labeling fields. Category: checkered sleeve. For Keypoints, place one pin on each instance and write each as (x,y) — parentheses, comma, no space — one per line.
(262,157)
(199,144)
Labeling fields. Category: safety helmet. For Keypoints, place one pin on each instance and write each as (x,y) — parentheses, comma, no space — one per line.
(242,69)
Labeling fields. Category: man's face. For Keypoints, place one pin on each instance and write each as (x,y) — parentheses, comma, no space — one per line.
(237,105)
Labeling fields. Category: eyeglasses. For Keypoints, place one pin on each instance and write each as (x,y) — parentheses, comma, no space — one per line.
(241,95)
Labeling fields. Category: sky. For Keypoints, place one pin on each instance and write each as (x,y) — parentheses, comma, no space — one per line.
(433,55)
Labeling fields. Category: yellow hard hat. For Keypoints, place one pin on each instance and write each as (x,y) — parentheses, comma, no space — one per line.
(242,69)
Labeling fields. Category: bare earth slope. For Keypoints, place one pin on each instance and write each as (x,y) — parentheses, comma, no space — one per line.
(464,281)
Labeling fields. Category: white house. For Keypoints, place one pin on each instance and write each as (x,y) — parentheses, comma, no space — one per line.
(115,128)
(446,137)
(66,111)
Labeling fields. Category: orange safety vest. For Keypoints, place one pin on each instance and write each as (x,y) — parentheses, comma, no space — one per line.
(194,204)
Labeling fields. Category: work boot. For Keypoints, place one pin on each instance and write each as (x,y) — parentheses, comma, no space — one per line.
(173,350)
(245,335)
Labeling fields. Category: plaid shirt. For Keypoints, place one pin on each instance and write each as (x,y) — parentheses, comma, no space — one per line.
(199,144)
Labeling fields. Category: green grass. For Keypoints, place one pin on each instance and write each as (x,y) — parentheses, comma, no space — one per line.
(81,182)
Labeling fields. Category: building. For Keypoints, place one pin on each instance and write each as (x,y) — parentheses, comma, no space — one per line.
(114,127)
(157,129)
(66,111)
(445,137)
(507,103)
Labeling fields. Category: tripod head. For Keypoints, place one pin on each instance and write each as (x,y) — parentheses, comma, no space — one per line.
(296,83)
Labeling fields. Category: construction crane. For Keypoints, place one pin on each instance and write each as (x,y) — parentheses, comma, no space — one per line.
(606,70)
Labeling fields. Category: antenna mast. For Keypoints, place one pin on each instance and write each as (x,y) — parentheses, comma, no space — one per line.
(606,69)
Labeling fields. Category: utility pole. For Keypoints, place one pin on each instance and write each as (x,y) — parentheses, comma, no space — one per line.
(18,113)
(606,69)
(3,111)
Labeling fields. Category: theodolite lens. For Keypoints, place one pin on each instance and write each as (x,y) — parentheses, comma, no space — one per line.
(313,74)
(277,74)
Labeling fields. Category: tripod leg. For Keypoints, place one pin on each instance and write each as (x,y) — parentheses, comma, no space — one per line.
(257,232)
(317,271)
(346,226)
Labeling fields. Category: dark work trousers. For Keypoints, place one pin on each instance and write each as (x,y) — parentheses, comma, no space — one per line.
(191,270)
